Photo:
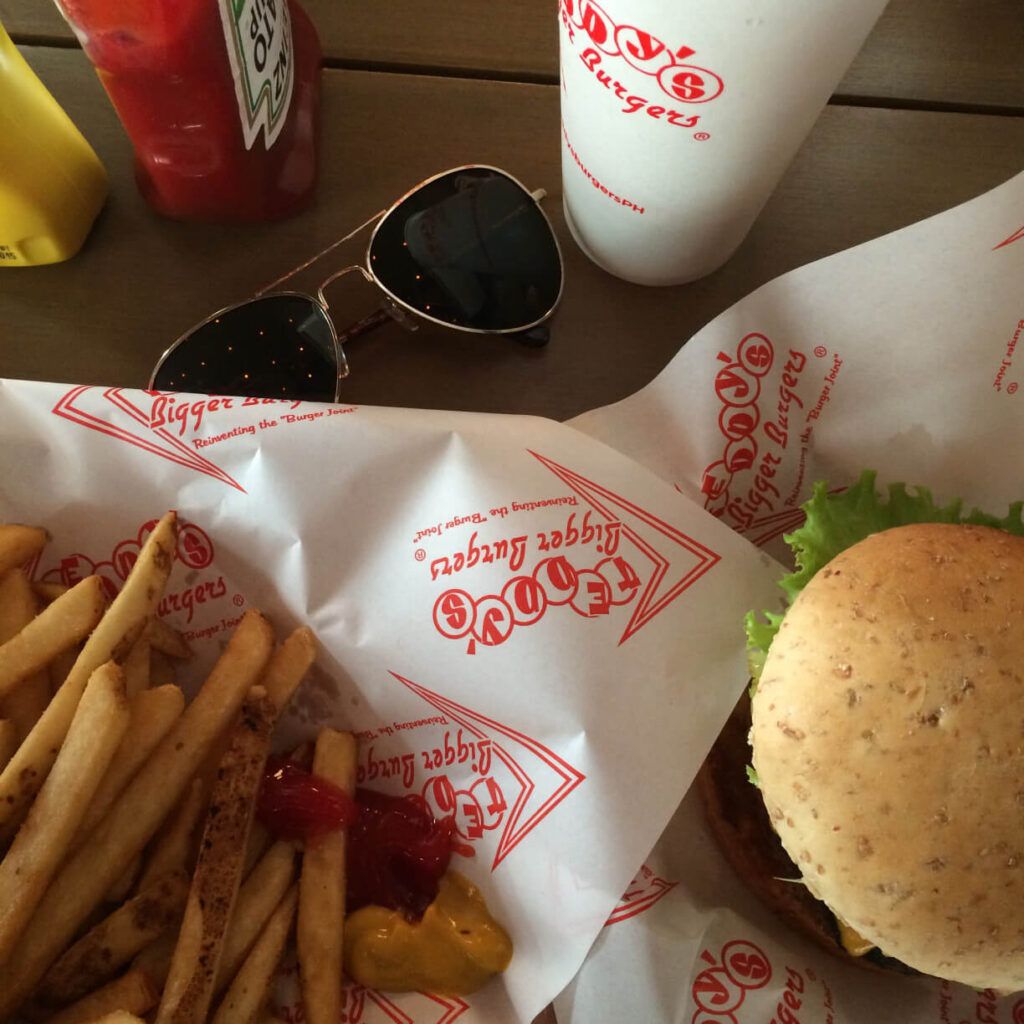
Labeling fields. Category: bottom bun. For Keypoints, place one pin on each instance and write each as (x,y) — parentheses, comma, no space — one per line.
(739,823)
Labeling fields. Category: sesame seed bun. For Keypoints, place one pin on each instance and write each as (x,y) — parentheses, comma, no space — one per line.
(888,738)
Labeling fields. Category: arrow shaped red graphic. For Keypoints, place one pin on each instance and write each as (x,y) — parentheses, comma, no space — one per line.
(1015,237)
(644,891)
(774,525)
(544,779)
(99,409)
(687,558)
(450,1008)
(368,1006)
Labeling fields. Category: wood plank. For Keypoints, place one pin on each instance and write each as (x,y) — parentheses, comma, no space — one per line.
(105,316)
(964,52)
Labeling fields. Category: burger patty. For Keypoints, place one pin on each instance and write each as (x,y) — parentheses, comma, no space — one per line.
(740,825)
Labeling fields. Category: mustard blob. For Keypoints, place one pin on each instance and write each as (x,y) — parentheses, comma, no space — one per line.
(453,950)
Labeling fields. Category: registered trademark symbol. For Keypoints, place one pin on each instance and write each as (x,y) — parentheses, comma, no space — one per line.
(238,600)
(820,351)
(1011,389)
(419,554)
(702,136)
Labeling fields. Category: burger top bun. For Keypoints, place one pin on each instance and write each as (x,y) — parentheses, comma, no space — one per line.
(888,738)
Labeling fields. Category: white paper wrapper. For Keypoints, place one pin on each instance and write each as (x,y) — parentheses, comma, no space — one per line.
(900,355)
(520,623)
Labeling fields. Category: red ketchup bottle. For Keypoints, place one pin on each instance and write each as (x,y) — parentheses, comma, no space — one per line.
(220,98)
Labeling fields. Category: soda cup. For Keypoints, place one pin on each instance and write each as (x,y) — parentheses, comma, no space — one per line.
(678,119)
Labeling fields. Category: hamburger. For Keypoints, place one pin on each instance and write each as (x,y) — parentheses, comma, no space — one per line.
(886,739)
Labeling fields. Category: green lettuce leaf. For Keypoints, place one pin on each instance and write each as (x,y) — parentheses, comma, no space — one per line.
(836,522)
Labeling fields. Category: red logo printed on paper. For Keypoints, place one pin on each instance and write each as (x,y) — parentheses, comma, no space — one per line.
(194,550)
(721,988)
(1018,1012)
(167,425)
(116,413)
(644,891)
(614,556)
(1015,237)
(755,441)
(509,803)
(627,48)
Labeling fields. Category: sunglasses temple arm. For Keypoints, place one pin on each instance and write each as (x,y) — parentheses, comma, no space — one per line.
(364,326)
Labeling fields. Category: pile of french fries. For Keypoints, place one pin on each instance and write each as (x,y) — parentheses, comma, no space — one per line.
(134,882)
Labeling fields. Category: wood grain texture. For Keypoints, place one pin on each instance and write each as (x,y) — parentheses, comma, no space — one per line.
(105,316)
(964,52)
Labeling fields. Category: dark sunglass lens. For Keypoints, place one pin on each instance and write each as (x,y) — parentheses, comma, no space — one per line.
(471,249)
(281,346)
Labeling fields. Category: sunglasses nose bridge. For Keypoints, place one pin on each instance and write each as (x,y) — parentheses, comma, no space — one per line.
(322,299)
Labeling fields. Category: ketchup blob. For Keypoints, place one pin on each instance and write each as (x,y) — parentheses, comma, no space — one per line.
(295,804)
(397,851)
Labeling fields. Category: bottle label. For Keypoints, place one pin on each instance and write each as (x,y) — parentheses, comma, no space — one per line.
(258,34)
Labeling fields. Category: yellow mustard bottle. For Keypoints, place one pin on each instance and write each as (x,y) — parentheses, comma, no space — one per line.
(52,184)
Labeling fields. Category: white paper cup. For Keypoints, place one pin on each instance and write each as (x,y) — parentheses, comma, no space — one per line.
(679,118)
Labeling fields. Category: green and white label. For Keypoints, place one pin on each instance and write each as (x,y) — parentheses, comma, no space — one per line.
(258,34)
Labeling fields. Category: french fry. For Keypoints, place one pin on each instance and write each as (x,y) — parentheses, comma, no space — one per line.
(132,993)
(56,628)
(175,846)
(288,666)
(61,667)
(284,672)
(115,633)
(18,607)
(79,886)
(20,543)
(152,713)
(8,741)
(161,671)
(18,604)
(26,704)
(47,591)
(125,882)
(120,1017)
(96,730)
(136,667)
(167,640)
(211,899)
(111,944)
(259,895)
(248,991)
(155,960)
(322,890)
(259,843)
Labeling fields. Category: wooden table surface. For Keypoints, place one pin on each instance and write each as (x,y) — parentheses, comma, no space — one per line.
(930,114)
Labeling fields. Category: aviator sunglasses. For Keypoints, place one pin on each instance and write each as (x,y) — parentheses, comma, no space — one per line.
(470,249)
